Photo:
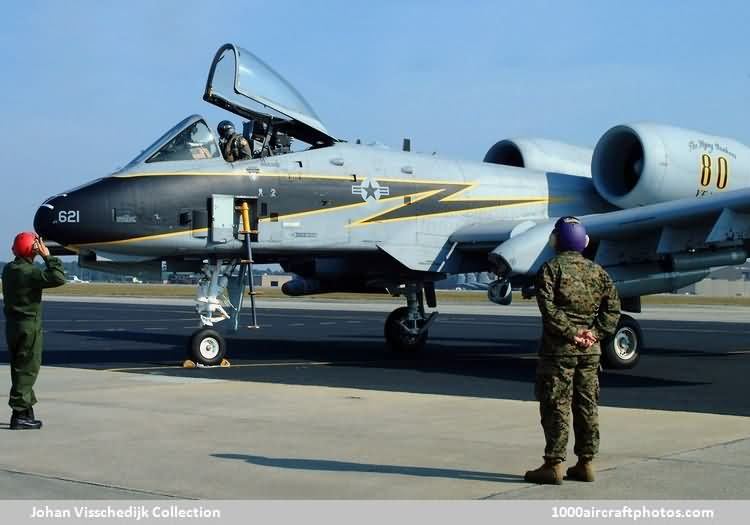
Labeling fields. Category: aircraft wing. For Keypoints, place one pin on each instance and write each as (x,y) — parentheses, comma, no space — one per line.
(684,235)
(688,213)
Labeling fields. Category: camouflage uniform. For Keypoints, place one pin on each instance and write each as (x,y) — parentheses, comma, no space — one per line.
(573,294)
(22,296)
(236,148)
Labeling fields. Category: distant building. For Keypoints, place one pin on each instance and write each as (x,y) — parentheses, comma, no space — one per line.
(732,281)
(274,280)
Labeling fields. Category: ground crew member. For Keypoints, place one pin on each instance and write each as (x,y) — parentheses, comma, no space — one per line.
(22,295)
(233,145)
(580,307)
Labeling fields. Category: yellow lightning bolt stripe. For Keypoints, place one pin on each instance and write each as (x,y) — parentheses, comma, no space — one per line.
(454,212)
(453,197)
(76,247)
(412,199)
(413,196)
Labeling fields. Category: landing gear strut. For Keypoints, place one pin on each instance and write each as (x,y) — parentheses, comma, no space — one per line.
(406,328)
(220,295)
(219,292)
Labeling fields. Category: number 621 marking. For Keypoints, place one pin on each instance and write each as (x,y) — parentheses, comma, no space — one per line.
(69,216)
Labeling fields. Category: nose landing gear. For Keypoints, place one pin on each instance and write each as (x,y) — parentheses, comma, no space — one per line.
(407,327)
(220,291)
(208,347)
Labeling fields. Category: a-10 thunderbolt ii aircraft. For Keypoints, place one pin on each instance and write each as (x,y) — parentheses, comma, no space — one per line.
(662,205)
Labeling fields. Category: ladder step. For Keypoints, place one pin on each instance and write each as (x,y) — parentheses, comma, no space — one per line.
(245,232)
(247,261)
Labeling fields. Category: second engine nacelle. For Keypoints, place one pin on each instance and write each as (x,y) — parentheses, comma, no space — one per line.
(645,163)
(540,154)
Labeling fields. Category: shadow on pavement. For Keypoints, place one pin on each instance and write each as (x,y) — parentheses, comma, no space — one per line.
(368,468)
(496,369)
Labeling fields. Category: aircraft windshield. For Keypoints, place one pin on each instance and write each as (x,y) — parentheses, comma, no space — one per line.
(195,142)
(189,139)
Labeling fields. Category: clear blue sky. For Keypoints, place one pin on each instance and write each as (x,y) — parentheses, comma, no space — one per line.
(86,85)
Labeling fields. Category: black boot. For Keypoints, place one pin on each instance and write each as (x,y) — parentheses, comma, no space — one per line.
(30,415)
(20,420)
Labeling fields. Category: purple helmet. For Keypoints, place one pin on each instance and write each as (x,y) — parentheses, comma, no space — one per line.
(570,235)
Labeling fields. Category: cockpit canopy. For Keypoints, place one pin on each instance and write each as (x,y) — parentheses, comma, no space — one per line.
(195,142)
(189,139)
(243,84)
(240,82)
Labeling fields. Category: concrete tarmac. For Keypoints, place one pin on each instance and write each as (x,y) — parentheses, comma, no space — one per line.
(315,407)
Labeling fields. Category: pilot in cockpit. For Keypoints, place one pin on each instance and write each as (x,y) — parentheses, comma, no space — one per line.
(233,145)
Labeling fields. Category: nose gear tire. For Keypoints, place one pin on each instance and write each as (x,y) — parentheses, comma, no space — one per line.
(207,347)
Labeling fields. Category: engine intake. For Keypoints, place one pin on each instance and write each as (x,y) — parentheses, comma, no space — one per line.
(540,154)
(639,164)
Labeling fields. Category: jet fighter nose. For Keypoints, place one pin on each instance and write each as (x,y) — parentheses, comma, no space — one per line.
(44,222)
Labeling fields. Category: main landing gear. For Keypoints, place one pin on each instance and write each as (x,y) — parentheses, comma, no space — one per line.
(406,328)
(623,350)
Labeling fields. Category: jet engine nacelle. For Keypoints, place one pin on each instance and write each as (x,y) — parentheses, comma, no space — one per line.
(644,163)
(525,252)
(541,154)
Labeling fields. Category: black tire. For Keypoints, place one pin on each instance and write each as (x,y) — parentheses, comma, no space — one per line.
(395,336)
(207,347)
(623,350)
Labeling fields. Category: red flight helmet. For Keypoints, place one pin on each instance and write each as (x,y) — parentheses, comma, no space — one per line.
(23,244)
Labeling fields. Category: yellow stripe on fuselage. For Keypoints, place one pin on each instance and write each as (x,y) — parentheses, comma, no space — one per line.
(289,175)
(428,215)
(142,238)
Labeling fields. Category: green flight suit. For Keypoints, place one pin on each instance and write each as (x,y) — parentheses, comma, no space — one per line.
(23,283)
(573,293)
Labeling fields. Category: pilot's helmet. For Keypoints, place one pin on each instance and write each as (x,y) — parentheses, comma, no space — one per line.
(569,235)
(259,130)
(225,129)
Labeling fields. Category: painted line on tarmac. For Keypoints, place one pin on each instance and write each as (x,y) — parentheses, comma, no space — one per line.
(247,365)
(151,320)
(93,483)
(697,331)
(491,323)
(85,330)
